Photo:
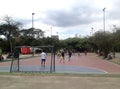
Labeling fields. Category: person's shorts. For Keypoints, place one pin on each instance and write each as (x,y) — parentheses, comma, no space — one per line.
(43,60)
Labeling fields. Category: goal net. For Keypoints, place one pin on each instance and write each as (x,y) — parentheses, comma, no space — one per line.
(27,59)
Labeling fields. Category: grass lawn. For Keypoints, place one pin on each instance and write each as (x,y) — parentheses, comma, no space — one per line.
(58,81)
(115,60)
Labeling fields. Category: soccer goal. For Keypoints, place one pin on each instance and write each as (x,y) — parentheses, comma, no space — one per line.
(27,59)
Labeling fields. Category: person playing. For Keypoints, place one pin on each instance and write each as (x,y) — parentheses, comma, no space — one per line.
(43,58)
(58,54)
(62,56)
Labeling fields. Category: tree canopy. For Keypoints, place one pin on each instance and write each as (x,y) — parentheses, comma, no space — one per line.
(105,42)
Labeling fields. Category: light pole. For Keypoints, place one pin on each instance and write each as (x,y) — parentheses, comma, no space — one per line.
(57,33)
(51,31)
(92,30)
(33,20)
(104,19)
(115,28)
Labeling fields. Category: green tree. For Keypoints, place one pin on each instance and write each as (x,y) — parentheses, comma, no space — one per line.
(78,44)
(9,29)
(103,42)
(32,33)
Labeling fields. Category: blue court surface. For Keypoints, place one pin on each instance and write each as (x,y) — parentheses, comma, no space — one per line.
(58,69)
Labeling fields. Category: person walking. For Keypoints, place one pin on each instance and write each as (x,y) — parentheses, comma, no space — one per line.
(43,58)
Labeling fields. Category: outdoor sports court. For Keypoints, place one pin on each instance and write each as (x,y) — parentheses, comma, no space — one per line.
(90,64)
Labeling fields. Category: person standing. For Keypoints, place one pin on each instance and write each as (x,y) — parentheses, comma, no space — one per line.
(0,51)
(43,58)
(85,52)
(1,57)
(69,54)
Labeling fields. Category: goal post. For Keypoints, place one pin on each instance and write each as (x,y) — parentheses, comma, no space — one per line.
(19,64)
(15,60)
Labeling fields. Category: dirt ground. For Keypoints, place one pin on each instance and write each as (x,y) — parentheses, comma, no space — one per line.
(58,82)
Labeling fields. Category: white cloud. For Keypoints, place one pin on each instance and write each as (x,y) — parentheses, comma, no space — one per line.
(67,17)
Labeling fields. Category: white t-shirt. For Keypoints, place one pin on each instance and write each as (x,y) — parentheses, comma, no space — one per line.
(43,55)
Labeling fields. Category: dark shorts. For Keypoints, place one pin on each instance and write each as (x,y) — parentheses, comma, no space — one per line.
(43,60)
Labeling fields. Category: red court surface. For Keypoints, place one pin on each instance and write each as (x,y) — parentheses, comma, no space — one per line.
(90,61)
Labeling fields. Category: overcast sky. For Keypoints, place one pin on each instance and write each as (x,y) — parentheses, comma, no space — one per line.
(66,17)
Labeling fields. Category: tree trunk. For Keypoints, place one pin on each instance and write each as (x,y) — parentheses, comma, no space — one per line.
(113,53)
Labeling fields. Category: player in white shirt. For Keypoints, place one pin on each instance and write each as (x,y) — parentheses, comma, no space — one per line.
(43,58)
